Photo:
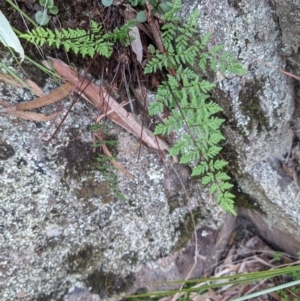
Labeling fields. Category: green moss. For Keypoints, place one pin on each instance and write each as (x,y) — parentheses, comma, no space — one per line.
(80,158)
(6,150)
(187,228)
(80,260)
(249,98)
(90,189)
(244,200)
(108,283)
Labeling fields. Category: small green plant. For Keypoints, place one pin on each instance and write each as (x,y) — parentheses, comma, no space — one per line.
(81,41)
(108,170)
(287,293)
(193,115)
(41,16)
(277,255)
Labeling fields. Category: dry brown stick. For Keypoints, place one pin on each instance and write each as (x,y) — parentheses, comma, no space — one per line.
(100,98)
(154,28)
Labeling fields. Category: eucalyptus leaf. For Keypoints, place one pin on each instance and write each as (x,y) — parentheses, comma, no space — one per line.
(107,3)
(8,38)
(41,17)
(141,16)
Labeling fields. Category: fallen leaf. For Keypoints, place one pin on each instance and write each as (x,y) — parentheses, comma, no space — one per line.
(48,99)
(34,88)
(31,115)
(4,103)
(136,44)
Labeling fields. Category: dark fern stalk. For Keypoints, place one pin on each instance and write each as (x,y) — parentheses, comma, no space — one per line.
(185,95)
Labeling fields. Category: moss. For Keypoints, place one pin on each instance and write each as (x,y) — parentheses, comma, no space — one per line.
(249,98)
(90,189)
(230,154)
(186,228)
(80,158)
(80,260)
(6,150)
(244,200)
(108,283)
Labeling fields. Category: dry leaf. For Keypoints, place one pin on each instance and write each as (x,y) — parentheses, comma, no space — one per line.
(34,88)
(48,99)
(32,116)
(136,44)
(4,103)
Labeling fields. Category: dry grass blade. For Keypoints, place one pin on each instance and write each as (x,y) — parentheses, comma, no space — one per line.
(282,71)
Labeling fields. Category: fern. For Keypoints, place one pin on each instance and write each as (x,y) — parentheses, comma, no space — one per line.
(186,96)
(81,41)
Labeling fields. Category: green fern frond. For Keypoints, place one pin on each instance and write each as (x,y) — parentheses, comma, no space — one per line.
(186,97)
(80,41)
(176,6)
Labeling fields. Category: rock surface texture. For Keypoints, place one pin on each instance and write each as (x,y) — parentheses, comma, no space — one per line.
(64,234)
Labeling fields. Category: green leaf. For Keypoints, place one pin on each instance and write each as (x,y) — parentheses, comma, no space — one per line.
(206,180)
(206,86)
(42,18)
(236,69)
(163,8)
(205,38)
(226,186)
(141,16)
(216,49)
(134,2)
(200,169)
(53,10)
(107,3)
(50,3)
(221,176)
(214,187)
(219,164)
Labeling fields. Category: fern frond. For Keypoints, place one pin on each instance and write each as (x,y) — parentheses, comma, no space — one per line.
(156,108)
(186,97)
(176,6)
(80,41)
(200,169)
